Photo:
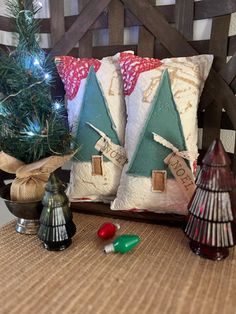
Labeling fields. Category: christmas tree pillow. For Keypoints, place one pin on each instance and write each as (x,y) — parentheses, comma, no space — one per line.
(161,133)
(97,116)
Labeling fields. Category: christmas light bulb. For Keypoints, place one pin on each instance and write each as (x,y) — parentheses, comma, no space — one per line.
(30,133)
(122,244)
(107,230)
(46,76)
(36,62)
(57,105)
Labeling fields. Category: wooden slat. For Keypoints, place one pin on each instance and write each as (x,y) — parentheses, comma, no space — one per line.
(217,47)
(233,86)
(116,22)
(152,2)
(229,70)
(178,46)
(82,4)
(233,165)
(155,22)
(84,20)
(219,40)
(6,24)
(212,122)
(232,45)
(102,51)
(213,8)
(184,10)
(85,45)
(104,210)
(86,42)
(222,94)
(100,23)
(57,30)
(57,20)
(167,10)
(146,43)
(27,5)
(225,121)
(202,10)
(160,52)
(201,46)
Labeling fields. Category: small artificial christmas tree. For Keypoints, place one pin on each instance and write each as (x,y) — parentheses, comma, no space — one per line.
(32,125)
(56,224)
(210,219)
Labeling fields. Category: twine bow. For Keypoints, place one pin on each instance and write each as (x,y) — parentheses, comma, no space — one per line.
(30,178)
(178,167)
(102,134)
(191,156)
(115,153)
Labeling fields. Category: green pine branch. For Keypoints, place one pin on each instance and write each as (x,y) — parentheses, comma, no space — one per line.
(32,126)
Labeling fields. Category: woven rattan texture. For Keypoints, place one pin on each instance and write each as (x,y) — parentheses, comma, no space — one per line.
(161,275)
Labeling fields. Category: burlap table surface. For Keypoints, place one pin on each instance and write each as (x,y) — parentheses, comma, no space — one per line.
(161,275)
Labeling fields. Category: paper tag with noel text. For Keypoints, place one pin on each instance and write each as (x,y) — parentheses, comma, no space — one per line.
(113,152)
(182,174)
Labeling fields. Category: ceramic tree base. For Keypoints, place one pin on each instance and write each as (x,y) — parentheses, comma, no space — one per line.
(213,253)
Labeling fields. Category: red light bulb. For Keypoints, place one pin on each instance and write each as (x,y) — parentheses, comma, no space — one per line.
(107,230)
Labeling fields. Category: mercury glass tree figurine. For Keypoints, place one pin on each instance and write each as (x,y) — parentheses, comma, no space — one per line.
(56,224)
(211,218)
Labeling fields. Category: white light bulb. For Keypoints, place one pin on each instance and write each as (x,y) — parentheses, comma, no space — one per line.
(46,76)
(57,105)
(30,133)
(36,62)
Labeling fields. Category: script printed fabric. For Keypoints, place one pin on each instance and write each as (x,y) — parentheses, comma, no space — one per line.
(186,80)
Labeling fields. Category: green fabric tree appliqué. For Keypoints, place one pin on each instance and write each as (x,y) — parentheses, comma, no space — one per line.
(163,120)
(96,112)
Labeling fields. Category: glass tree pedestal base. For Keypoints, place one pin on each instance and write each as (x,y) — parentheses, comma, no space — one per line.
(57,246)
(213,253)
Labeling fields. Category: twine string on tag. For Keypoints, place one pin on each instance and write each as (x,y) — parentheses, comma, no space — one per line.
(102,134)
(191,156)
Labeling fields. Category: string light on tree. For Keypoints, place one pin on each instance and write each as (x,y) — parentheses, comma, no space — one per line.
(57,105)
(36,62)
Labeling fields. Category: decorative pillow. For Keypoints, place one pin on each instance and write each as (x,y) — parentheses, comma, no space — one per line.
(97,116)
(161,132)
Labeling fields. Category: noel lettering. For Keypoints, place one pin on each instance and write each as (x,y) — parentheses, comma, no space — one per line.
(180,171)
(182,174)
(108,150)
(113,152)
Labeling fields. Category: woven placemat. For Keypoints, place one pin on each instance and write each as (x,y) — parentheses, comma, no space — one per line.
(161,275)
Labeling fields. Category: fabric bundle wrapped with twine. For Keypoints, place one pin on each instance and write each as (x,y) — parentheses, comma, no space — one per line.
(30,178)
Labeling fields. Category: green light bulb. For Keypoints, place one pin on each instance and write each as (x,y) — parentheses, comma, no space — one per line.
(122,244)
